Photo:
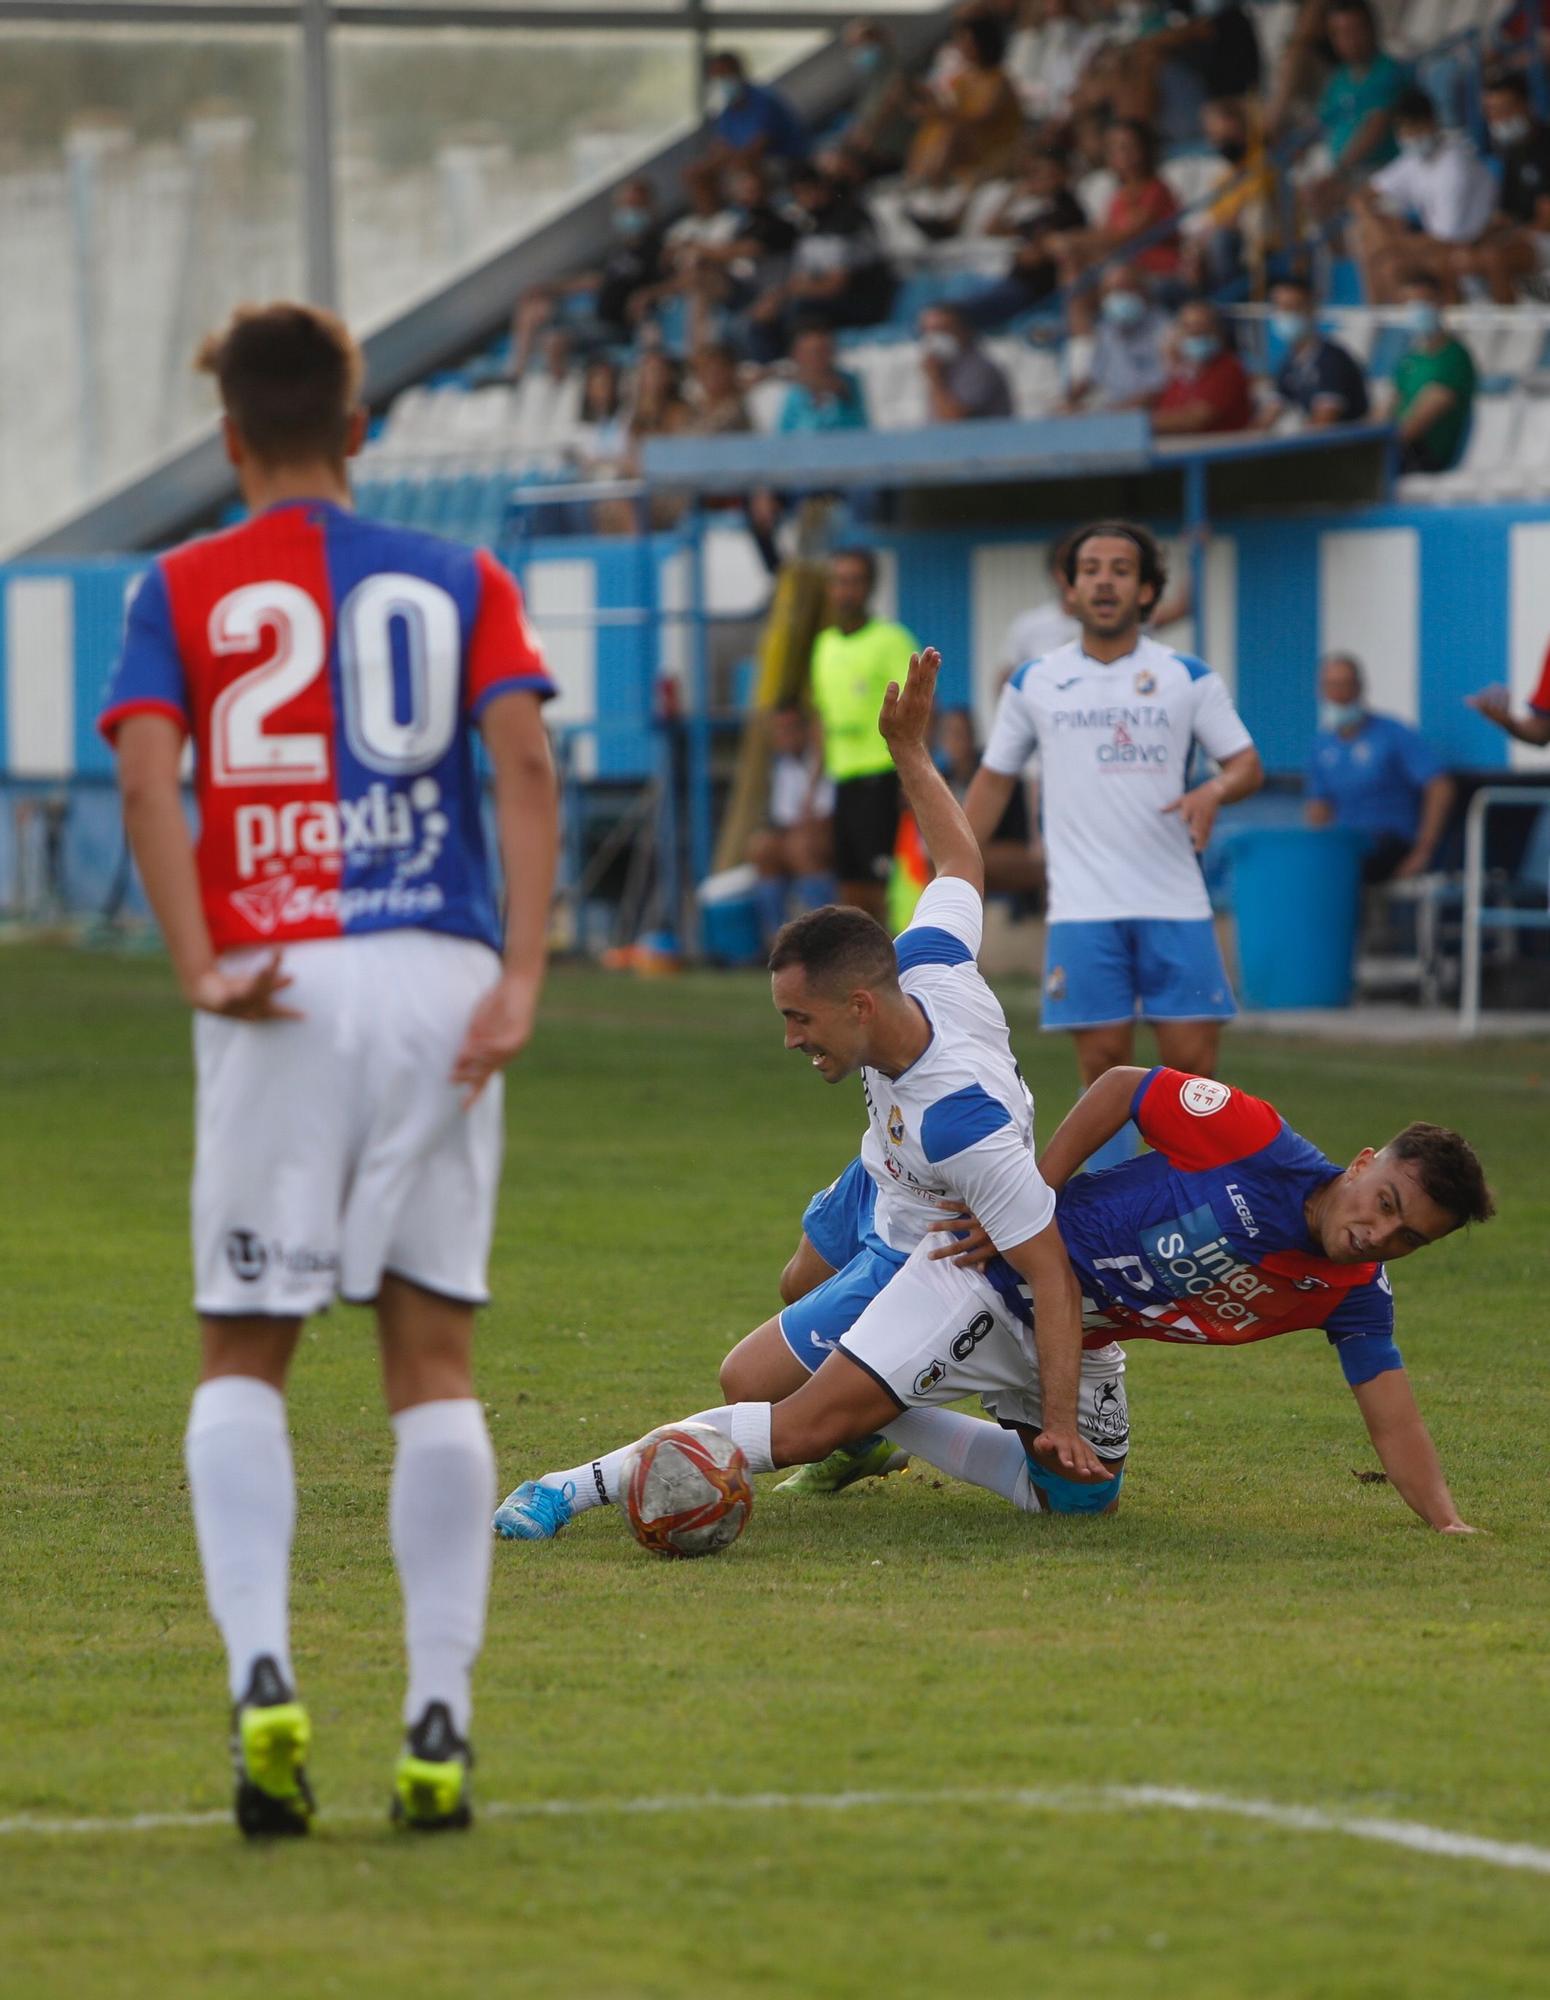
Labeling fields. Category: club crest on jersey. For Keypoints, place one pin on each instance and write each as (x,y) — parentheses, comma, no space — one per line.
(1055,982)
(1201,1095)
(929,1376)
(896,1124)
(1145,681)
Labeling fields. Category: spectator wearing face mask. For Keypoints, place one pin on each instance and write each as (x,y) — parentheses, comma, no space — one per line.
(1434,383)
(880,125)
(1316,377)
(1441,181)
(1515,250)
(963,384)
(1037,206)
(837,269)
(1376,775)
(1233,230)
(622,285)
(1114,358)
(749,122)
(1208,390)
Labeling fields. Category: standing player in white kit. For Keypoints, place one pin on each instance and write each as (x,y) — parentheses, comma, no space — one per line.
(1114,716)
(336,934)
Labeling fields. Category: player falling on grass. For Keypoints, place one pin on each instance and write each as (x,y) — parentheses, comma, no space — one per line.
(336,934)
(950,1119)
(1233,1229)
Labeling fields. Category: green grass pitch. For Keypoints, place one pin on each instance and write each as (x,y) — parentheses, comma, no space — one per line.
(1253,1622)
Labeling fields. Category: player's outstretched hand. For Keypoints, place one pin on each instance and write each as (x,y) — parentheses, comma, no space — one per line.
(905,719)
(1494,703)
(245,996)
(1072,1456)
(501,1028)
(968,1242)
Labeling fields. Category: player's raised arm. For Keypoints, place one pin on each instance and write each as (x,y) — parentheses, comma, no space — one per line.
(1103,1109)
(1405,1449)
(904,725)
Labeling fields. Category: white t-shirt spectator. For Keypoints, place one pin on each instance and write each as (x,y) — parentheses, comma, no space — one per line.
(1046,64)
(1451,191)
(791,780)
(1034,633)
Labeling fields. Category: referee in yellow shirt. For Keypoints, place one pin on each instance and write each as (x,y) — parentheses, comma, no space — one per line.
(854,659)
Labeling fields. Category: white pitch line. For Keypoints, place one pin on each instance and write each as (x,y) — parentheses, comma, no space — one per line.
(1410,1834)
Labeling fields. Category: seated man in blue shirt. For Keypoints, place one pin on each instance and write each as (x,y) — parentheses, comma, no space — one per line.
(1377,775)
(750,125)
(822,397)
(1316,376)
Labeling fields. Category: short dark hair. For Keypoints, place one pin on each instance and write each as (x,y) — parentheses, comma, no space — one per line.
(1351,7)
(1154,567)
(1448,1169)
(1145,136)
(726,59)
(866,557)
(289,377)
(988,36)
(1512,81)
(839,949)
(1293,281)
(1414,107)
(1348,660)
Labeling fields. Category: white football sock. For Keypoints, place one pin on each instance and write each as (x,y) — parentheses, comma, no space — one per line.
(439,1513)
(597,1482)
(243,1489)
(967,1448)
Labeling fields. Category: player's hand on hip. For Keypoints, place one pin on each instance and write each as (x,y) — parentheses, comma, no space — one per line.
(245,996)
(968,1245)
(1071,1456)
(905,717)
(1198,810)
(501,1027)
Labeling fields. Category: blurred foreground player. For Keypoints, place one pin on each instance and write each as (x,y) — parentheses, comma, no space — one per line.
(336,934)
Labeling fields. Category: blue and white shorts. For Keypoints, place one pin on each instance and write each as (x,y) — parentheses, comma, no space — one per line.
(1109,970)
(838,1219)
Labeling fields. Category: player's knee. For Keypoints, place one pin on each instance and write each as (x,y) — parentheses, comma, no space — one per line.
(1059,1495)
(736,1381)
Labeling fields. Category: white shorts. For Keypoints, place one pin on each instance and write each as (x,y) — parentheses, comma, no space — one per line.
(936,1332)
(334,1149)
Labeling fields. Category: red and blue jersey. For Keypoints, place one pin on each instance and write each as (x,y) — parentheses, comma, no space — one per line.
(330,672)
(1204,1239)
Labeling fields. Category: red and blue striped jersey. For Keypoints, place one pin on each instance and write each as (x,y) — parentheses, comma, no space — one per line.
(331,672)
(1204,1239)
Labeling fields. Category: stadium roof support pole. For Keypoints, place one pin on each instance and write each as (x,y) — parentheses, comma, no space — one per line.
(1196,512)
(317,183)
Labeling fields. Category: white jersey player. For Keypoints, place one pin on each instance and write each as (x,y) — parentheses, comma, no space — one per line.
(949,1120)
(1114,717)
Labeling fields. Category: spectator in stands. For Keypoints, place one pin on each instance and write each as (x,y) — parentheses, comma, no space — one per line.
(1177,64)
(881,123)
(622,286)
(1045,60)
(1316,376)
(715,400)
(548,394)
(963,384)
(1356,110)
(1434,383)
(791,850)
(1515,251)
(822,397)
(750,123)
(1142,203)
(1495,704)
(1233,230)
(1441,182)
(1208,390)
(656,409)
(1376,775)
(854,659)
(837,269)
(751,262)
(1114,358)
(971,135)
(602,436)
(1011,868)
(1038,205)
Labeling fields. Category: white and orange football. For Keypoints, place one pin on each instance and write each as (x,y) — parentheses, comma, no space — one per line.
(686,1491)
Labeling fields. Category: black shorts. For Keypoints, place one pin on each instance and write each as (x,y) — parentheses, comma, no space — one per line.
(866,825)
